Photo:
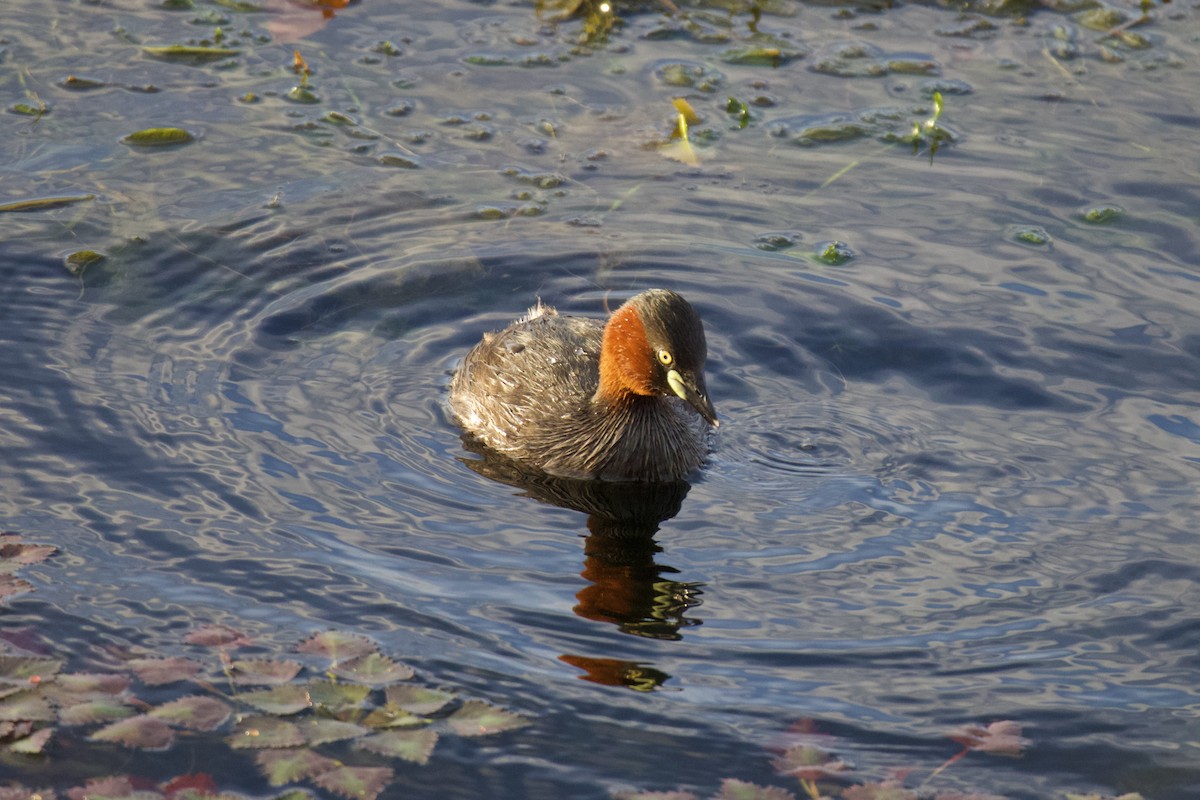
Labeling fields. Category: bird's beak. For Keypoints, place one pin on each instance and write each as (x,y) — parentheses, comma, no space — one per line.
(691,390)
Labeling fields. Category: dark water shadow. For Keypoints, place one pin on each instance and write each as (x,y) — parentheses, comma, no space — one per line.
(626,587)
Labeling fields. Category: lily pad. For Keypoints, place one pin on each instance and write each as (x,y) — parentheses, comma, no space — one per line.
(374,669)
(414,746)
(31,671)
(319,730)
(199,713)
(357,783)
(143,732)
(26,706)
(83,682)
(265,732)
(337,645)
(733,789)
(291,765)
(90,712)
(477,718)
(160,671)
(280,700)
(417,699)
(263,670)
(217,636)
(33,744)
(391,716)
(337,696)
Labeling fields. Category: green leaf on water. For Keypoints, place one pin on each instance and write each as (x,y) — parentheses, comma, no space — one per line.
(197,712)
(81,682)
(287,766)
(280,700)
(34,744)
(90,712)
(143,732)
(337,645)
(80,260)
(26,706)
(191,54)
(477,718)
(733,789)
(265,732)
(27,110)
(374,669)
(43,204)
(356,783)
(30,671)
(390,716)
(217,636)
(159,671)
(319,730)
(414,746)
(417,699)
(253,671)
(159,137)
(335,697)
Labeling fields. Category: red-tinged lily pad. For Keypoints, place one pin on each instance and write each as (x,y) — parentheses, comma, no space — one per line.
(335,697)
(14,554)
(10,586)
(288,766)
(26,706)
(29,671)
(809,763)
(89,712)
(217,636)
(319,730)
(373,669)
(390,716)
(357,783)
(200,784)
(733,789)
(280,700)
(978,796)
(103,787)
(15,730)
(34,744)
(265,732)
(337,646)
(160,671)
(417,699)
(197,713)
(257,671)
(477,718)
(142,731)
(414,746)
(884,790)
(92,683)
(1002,738)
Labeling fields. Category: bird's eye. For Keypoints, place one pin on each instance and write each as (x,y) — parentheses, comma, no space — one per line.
(665,358)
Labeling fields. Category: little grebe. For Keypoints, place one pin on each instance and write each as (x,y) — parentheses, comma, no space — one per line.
(579,398)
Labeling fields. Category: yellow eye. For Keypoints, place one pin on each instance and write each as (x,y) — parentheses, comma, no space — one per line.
(665,358)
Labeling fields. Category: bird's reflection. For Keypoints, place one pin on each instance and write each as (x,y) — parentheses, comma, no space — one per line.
(625,585)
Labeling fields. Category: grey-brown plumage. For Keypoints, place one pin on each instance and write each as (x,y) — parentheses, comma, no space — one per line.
(579,398)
